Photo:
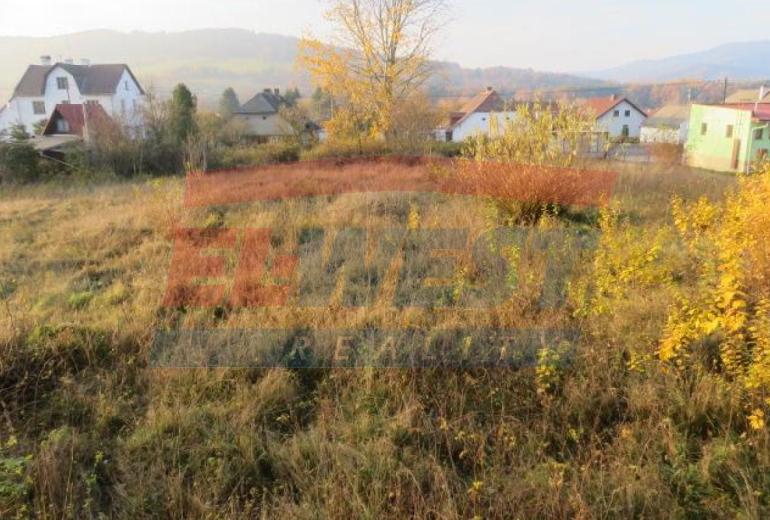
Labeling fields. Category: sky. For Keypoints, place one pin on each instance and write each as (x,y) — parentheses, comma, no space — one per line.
(563,36)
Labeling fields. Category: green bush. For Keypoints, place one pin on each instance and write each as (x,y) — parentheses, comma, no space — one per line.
(19,162)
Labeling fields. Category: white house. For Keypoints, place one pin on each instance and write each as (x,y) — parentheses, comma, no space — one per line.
(669,125)
(44,86)
(617,116)
(262,118)
(476,117)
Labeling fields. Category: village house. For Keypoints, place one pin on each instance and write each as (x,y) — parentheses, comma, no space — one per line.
(668,125)
(618,117)
(261,116)
(43,87)
(728,137)
(476,117)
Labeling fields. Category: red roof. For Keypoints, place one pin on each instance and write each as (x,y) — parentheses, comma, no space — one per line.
(762,111)
(486,101)
(601,106)
(75,115)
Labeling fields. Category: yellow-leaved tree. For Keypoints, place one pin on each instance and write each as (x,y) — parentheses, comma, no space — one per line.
(379,59)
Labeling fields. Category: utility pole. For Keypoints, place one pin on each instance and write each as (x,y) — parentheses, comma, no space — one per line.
(724,96)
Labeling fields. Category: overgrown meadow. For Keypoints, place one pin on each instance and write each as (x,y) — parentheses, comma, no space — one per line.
(657,411)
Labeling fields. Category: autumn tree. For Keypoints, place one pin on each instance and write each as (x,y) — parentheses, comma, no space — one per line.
(379,57)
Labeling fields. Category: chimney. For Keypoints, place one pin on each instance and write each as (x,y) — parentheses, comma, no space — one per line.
(489,89)
(69,61)
(85,61)
(45,60)
(761,96)
(277,92)
(614,97)
(267,91)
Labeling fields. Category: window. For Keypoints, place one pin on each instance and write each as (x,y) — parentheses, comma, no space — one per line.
(762,154)
(62,83)
(125,85)
(38,107)
(628,113)
(759,134)
(729,131)
(123,106)
(616,113)
(62,126)
(704,128)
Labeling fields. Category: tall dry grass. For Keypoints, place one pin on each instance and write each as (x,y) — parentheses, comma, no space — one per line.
(88,428)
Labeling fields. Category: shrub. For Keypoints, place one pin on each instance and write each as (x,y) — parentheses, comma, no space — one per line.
(728,249)
(19,162)
(256,155)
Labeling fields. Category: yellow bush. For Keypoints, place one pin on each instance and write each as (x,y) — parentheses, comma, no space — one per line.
(728,249)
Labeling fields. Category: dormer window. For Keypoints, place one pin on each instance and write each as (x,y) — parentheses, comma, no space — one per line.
(62,83)
(62,126)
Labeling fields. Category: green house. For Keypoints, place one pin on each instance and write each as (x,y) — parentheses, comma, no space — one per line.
(728,137)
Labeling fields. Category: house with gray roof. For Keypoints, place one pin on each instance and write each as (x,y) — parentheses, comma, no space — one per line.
(261,116)
(44,86)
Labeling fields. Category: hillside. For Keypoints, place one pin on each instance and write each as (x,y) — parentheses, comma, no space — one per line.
(209,60)
(737,61)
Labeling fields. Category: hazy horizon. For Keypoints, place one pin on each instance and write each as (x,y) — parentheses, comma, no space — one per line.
(575,37)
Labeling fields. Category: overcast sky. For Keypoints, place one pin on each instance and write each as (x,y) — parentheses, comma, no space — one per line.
(567,35)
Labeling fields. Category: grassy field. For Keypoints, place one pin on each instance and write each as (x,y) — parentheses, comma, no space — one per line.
(89,427)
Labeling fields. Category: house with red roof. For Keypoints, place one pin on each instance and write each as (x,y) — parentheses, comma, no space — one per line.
(618,117)
(476,117)
(729,137)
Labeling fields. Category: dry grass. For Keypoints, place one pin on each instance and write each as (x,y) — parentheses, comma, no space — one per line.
(94,430)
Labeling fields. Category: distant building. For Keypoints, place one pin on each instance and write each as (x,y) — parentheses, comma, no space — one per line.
(761,95)
(668,125)
(475,117)
(728,137)
(261,115)
(618,117)
(45,86)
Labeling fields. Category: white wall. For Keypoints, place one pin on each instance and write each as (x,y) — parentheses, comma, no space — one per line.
(614,125)
(665,135)
(127,96)
(479,123)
